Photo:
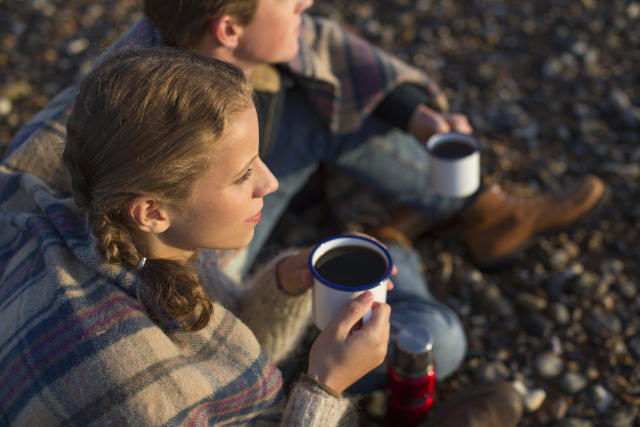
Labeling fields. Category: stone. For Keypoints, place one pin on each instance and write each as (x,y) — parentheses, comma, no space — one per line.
(492,372)
(5,106)
(77,46)
(549,365)
(534,399)
(602,398)
(573,383)
(620,417)
(560,313)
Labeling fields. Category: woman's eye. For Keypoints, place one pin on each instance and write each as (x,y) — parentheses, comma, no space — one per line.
(245,177)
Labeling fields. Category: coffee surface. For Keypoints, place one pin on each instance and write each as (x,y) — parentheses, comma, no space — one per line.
(351,266)
(452,150)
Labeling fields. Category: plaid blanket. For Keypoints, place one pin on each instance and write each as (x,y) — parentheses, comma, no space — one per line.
(77,348)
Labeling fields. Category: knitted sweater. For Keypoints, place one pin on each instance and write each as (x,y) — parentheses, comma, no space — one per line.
(77,347)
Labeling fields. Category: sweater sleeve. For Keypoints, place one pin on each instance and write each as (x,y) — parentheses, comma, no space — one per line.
(310,406)
(277,319)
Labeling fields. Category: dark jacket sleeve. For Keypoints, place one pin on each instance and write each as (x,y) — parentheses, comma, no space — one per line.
(397,107)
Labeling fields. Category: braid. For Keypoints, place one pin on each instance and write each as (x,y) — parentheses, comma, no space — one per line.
(178,292)
(114,242)
(175,289)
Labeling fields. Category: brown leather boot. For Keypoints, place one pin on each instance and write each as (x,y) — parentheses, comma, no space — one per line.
(488,405)
(497,224)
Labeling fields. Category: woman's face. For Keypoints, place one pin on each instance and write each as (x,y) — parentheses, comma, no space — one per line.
(272,34)
(225,203)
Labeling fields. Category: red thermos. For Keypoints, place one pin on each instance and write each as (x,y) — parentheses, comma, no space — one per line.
(412,377)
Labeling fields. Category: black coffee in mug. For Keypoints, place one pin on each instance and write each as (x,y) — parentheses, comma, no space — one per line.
(351,266)
(452,149)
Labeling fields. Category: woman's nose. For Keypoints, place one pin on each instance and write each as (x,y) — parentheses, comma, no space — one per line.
(267,183)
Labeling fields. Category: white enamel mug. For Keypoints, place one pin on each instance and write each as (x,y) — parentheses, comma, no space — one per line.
(330,298)
(454,175)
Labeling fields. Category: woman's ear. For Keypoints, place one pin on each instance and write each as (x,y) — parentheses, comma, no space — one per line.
(148,215)
(226,30)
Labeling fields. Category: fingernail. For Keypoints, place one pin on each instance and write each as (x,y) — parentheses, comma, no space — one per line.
(366,296)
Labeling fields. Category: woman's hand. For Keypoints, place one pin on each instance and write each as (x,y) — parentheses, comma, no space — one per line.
(344,353)
(425,122)
(293,273)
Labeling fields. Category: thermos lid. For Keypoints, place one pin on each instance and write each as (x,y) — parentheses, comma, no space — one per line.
(413,352)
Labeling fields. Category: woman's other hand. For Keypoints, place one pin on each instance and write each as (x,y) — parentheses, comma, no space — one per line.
(345,351)
(293,273)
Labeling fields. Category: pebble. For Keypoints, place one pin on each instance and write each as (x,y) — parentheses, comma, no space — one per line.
(531,302)
(535,324)
(559,407)
(603,323)
(628,289)
(549,365)
(560,313)
(492,372)
(5,106)
(534,399)
(602,398)
(77,46)
(621,417)
(573,383)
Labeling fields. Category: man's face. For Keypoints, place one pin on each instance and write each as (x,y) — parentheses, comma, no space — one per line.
(272,35)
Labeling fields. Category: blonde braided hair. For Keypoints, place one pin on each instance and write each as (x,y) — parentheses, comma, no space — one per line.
(143,124)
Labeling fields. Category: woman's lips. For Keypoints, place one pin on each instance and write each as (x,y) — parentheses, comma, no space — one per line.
(256,218)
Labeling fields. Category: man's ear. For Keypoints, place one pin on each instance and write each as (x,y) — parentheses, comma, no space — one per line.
(148,215)
(226,30)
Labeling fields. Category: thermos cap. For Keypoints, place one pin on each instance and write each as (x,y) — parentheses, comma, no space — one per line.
(413,352)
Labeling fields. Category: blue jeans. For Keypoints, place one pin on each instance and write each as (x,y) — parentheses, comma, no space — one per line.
(392,163)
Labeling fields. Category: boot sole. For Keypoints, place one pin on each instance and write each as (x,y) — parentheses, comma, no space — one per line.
(516,254)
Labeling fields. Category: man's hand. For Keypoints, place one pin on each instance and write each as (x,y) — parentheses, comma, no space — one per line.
(425,122)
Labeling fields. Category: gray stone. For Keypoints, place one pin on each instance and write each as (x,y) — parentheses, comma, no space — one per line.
(534,399)
(603,323)
(5,106)
(560,313)
(77,46)
(530,301)
(549,365)
(573,382)
(492,371)
(602,398)
(628,289)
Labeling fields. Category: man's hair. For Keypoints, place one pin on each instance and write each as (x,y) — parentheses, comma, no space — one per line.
(183,22)
(145,123)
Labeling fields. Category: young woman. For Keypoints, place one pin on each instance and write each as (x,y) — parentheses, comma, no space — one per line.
(114,314)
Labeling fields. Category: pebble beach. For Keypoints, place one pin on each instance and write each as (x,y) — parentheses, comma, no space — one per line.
(552,90)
